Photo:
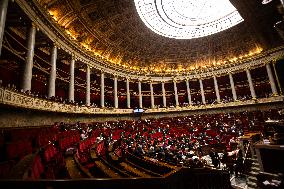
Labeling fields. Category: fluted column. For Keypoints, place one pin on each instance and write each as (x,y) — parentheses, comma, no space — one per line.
(233,87)
(176,92)
(88,86)
(3,14)
(251,87)
(52,75)
(152,95)
(140,94)
(164,95)
(102,90)
(71,82)
(188,92)
(271,80)
(216,89)
(202,91)
(115,92)
(27,75)
(127,93)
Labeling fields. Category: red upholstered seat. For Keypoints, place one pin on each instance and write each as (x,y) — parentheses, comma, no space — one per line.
(5,168)
(37,168)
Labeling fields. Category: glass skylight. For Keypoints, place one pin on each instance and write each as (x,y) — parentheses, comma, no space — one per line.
(187,19)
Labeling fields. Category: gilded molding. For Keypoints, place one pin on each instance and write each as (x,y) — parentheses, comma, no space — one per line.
(16,99)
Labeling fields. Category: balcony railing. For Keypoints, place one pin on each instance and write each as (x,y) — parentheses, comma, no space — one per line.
(21,100)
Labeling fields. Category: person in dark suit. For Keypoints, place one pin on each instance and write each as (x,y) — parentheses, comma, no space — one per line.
(239,163)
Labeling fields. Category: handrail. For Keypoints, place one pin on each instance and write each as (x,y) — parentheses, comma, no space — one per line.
(246,153)
(82,168)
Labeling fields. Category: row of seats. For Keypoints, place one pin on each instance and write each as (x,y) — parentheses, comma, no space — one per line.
(68,141)
(17,150)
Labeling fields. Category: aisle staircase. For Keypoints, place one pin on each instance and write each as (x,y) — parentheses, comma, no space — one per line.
(255,169)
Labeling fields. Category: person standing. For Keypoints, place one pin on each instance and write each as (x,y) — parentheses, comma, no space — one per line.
(239,164)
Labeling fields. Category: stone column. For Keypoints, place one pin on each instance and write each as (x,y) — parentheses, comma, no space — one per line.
(88,86)
(127,93)
(71,82)
(282,2)
(3,14)
(271,80)
(52,75)
(277,78)
(202,91)
(233,87)
(251,87)
(115,92)
(164,94)
(176,92)
(216,89)
(152,95)
(188,92)
(27,75)
(102,90)
(140,94)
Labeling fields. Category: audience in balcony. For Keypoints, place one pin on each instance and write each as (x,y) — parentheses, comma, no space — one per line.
(195,102)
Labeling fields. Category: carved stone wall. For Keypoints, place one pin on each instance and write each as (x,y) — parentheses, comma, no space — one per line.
(17,117)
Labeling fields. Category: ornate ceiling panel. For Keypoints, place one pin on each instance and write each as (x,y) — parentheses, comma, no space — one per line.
(113,29)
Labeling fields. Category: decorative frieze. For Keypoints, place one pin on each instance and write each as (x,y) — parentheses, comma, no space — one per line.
(17,99)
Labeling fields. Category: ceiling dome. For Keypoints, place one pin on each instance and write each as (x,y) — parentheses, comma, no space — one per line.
(114,32)
(187,19)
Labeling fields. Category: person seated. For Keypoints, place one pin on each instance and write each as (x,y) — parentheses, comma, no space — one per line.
(83,135)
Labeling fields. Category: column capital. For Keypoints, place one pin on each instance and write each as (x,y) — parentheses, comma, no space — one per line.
(33,25)
(273,61)
(73,57)
(215,75)
(55,45)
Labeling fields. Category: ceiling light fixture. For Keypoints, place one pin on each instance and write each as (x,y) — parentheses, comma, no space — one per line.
(187,19)
(264,2)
